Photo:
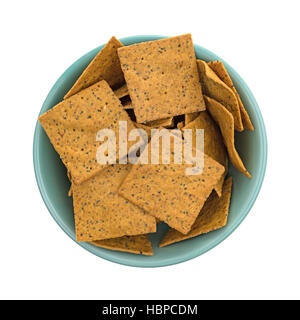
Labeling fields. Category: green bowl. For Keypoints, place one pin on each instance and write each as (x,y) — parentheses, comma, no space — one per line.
(51,175)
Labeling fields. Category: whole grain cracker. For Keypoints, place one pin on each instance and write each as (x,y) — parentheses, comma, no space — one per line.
(165,123)
(213,142)
(226,123)
(134,244)
(100,213)
(70,192)
(167,193)
(162,78)
(105,66)
(212,216)
(215,88)
(220,70)
(72,126)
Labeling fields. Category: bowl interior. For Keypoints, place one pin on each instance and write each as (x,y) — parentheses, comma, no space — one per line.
(54,185)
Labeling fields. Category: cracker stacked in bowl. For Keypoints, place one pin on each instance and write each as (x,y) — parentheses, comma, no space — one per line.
(127,98)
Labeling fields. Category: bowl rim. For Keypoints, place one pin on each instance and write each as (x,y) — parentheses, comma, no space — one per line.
(108,254)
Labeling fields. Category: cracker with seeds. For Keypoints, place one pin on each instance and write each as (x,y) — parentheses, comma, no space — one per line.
(73,124)
(220,70)
(213,142)
(134,244)
(226,123)
(105,66)
(162,78)
(215,88)
(213,216)
(144,127)
(167,193)
(100,213)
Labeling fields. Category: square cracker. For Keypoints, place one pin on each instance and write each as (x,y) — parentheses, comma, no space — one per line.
(213,142)
(100,213)
(72,126)
(162,78)
(122,91)
(212,216)
(220,70)
(105,66)
(166,192)
(134,244)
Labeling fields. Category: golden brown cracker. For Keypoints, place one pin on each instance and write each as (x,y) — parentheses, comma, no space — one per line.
(166,192)
(213,142)
(215,88)
(220,70)
(100,213)
(105,66)
(162,78)
(72,126)
(226,123)
(122,91)
(212,216)
(134,244)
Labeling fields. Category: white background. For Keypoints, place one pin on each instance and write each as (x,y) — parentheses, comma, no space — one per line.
(40,39)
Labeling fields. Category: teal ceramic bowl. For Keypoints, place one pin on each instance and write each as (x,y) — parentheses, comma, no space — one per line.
(54,185)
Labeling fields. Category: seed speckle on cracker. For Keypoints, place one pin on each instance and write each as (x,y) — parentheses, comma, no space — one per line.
(72,126)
